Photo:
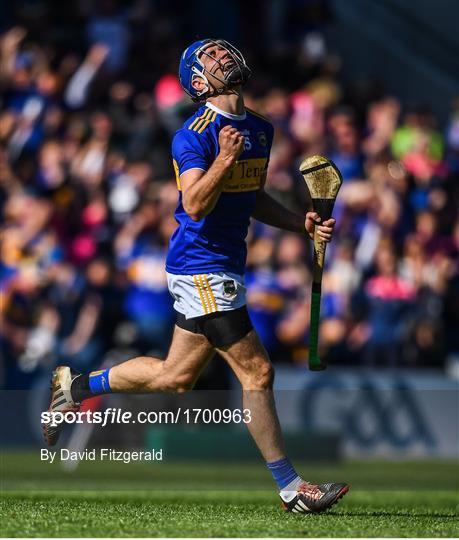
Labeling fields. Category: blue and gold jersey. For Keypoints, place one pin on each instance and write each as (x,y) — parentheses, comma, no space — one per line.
(216,243)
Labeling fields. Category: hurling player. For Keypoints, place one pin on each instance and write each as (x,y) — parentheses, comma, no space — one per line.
(220,158)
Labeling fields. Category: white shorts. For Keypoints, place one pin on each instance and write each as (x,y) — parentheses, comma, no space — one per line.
(203,294)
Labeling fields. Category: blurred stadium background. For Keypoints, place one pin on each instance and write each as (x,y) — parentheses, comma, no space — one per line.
(89,102)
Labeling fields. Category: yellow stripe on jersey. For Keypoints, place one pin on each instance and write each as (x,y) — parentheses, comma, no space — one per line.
(197,121)
(199,288)
(207,122)
(177,175)
(200,122)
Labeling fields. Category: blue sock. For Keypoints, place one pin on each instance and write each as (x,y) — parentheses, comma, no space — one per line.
(98,382)
(283,472)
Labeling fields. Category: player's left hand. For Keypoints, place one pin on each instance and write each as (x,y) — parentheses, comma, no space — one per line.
(324,230)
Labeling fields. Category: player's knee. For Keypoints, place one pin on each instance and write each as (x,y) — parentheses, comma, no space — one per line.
(184,387)
(261,377)
(266,376)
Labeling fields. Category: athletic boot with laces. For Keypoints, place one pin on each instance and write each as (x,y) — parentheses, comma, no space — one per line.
(61,401)
(312,498)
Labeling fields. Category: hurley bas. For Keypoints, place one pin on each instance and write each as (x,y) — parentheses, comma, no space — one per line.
(102,454)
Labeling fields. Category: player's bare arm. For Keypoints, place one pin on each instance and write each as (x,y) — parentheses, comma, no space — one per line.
(200,190)
(269,211)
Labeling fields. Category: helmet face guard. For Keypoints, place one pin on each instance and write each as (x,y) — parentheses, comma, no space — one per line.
(235,70)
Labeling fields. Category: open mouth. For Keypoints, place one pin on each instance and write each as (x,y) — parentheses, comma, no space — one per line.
(228,66)
(232,72)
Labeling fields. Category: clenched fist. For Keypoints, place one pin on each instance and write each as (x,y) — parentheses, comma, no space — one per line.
(231,143)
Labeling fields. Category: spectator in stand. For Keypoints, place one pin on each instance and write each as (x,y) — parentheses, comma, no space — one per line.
(345,144)
(87,200)
(385,306)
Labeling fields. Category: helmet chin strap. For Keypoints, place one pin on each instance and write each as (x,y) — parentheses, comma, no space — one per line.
(227,89)
(228,85)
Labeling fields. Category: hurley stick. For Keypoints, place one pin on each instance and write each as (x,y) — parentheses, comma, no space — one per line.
(323,180)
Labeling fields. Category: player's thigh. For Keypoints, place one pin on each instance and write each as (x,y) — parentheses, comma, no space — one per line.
(188,355)
(249,360)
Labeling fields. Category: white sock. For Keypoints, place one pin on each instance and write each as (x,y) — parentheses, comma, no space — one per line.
(289,491)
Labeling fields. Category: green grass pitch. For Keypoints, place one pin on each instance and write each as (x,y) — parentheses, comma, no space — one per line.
(195,499)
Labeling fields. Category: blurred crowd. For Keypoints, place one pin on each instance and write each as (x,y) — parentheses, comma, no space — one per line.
(89,104)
